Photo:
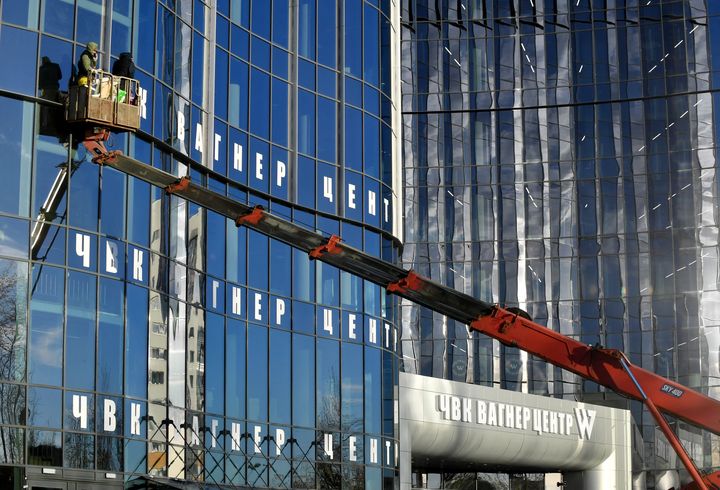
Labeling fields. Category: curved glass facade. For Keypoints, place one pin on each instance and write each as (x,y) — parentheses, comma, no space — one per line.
(560,156)
(144,338)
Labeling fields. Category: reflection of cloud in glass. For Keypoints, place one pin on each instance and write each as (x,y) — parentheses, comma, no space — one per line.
(46,347)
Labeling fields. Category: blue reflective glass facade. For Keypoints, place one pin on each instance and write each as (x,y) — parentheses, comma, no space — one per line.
(143,338)
(561,156)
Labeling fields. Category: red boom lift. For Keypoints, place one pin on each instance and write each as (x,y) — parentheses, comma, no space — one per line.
(512,327)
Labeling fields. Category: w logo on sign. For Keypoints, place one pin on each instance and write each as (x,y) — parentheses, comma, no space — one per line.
(585,422)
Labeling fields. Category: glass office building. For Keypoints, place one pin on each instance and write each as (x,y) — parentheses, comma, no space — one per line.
(560,156)
(146,342)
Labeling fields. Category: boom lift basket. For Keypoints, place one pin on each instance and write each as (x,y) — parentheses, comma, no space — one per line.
(107,100)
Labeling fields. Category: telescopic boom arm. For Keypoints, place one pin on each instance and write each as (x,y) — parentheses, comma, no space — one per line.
(609,368)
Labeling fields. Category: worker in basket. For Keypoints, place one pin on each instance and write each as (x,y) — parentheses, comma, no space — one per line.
(125,67)
(87,63)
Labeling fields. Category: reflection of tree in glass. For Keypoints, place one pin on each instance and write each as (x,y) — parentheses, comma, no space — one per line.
(78,447)
(12,359)
(12,324)
(328,412)
(328,419)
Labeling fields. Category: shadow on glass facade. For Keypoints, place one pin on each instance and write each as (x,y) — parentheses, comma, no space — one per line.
(561,157)
(143,338)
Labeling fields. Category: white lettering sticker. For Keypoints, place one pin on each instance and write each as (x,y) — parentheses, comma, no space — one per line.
(215,286)
(195,439)
(351,326)
(235,436)
(281,171)
(135,419)
(373,330)
(111,255)
(79,410)
(328,188)
(279,311)
(351,196)
(218,140)
(258,306)
(279,441)
(109,419)
(371,203)
(238,157)
(328,321)
(138,264)
(258,166)
(256,439)
(374,451)
(328,445)
(143,102)
(199,137)
(236,304)
(82,248)
(352,442)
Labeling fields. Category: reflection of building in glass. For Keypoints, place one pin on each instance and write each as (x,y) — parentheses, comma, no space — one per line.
(144,337)
(560,157)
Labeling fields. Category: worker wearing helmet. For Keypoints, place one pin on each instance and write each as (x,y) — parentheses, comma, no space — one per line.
(87,63)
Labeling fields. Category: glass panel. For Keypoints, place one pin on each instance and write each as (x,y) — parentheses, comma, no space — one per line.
(45,407)
(183,41)
(44,448)
(258,264)
(90,14)
(21,13)
(216,244)
(144,35)
(235,369)
(58,18)
(327,129)
(80,331)
(328,385)
(279,112)
(18,48)
(261,19)
(373,367)
(79,451)
(121,26)
(109,453)
(136,342)
(306,29)
(84,195)
(303,385)
(327,41)
(13,320)
(238,93)
(352,388)
(214,365)
(306,122)
(257,360)
(280,268)
(371,51)
(46,325)
(279,381)
(110,335)
(164,49)
(353,37)
(16,129)
(14,237)
(280,21)
(260,103)
(195,357)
